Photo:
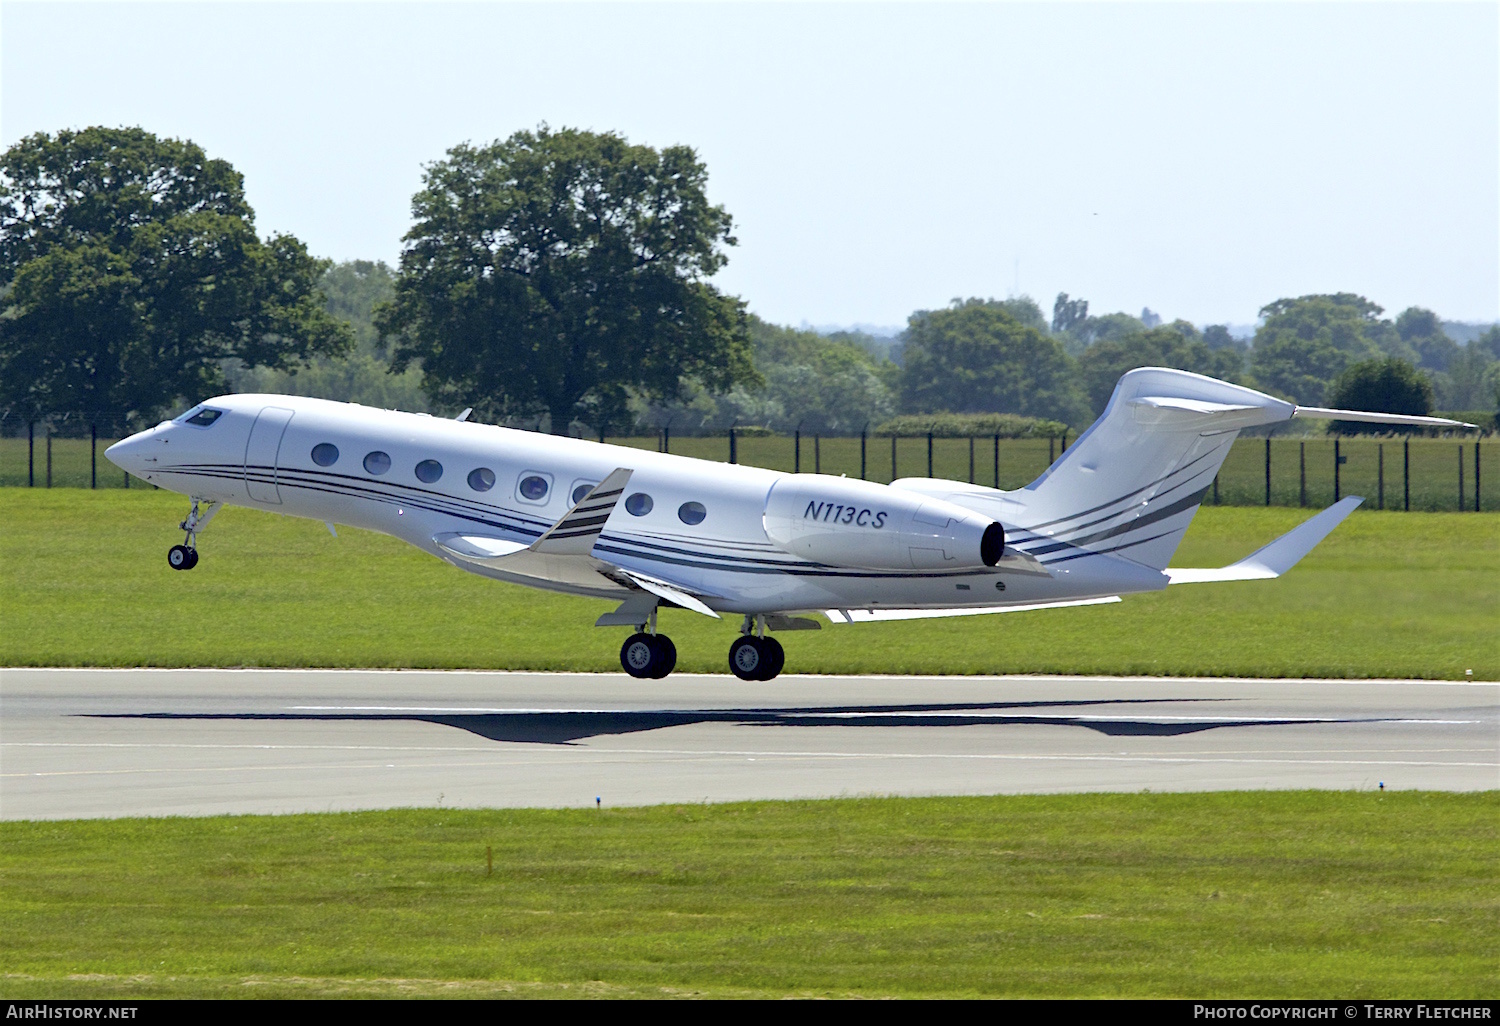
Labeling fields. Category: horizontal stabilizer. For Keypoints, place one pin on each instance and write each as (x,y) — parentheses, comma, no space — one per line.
(1274,559)
(873,615)
(1318,413)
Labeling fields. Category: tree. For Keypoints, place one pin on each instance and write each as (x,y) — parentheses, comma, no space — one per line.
(1177,345)
(554,272)
(1423,337)
(131,270)
(975,357)
(1304,343)
(1385,385)
(1068,314)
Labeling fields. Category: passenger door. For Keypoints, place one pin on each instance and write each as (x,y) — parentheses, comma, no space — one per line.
(261,452)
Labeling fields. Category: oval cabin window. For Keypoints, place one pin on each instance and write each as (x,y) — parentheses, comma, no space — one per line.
(325,454)
(534,488)
(428,471)
(691,513)
(377,462)
(482,479)
(639,504)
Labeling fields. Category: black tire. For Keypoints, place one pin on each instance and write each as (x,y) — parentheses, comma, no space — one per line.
(747,657)
(666,656)
(180,557)
(775,657)
(640,655)
(192,559)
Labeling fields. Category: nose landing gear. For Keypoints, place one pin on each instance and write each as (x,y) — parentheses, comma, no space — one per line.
(185,556)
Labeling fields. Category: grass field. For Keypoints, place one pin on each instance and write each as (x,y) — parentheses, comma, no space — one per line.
(84,582)
(1299,468)
(1271,894)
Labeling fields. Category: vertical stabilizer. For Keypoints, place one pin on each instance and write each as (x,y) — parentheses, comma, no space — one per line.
(1132,482)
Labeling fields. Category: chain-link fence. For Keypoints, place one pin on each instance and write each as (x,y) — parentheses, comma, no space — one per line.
(1420,473)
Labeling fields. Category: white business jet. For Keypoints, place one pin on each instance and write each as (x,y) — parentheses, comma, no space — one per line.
(652,529)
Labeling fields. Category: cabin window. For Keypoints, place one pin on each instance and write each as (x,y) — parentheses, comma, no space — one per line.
(639,504)
(325,454)
(581,490)
(377,462)
(534,487)
(482,479)
(428,471)
(691,513)
(205,417)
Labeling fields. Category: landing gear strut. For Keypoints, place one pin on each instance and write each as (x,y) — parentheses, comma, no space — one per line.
(648,655)
(753,656)
(185,556)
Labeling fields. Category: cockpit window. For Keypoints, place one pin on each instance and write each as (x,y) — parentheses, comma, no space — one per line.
(204,417)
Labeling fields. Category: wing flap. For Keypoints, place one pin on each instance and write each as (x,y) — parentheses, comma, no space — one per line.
(876,615)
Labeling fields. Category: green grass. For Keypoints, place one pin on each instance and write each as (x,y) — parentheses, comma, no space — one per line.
(1267,894)
(84,582)
(1433,485)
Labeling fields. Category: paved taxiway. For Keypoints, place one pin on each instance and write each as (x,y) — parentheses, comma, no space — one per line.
(189,742)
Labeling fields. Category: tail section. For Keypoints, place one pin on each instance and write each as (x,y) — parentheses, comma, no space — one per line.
(1132,482)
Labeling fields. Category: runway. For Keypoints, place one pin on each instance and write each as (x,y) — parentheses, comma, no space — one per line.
(99,743)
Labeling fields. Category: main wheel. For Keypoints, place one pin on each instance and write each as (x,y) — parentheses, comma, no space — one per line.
(747,657)
(192,558)
(666,656)
(775,658)
(640,655)
(180,557)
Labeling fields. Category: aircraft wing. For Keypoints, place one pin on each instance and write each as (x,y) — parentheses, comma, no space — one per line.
(1274,559)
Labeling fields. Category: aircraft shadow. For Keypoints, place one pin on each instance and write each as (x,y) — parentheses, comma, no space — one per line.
(564,727)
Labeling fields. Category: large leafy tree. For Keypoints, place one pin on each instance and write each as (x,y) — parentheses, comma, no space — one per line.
(1176,345)
(976,357)
(557,271)
(131,271)
(1384,385)
(1303,344)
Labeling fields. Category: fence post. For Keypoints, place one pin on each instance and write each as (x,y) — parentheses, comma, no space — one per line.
(796,450)
(1302,474)
(929,454)
(734,454)
(1051,450)
(1476,475)
(1406,474)
(893,456)
(817,454)
(1337,459)
(93,456)
(31,454)
(49,455)
(1268,470)
(1380,476)
(1065,440)
(971,459)
(666,438)
(1460,474)
(1216,489)
(997,461)
(862,438)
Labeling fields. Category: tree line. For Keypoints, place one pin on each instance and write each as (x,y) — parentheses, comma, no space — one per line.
(561,279)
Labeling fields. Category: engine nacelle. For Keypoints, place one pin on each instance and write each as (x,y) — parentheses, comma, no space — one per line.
(859,524)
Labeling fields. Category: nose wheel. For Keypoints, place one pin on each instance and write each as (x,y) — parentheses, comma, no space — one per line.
(185,556)
(753,658)
(648,656)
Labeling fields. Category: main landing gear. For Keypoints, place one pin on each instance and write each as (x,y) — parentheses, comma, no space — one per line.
(185,556)
(753,656)
(648,655)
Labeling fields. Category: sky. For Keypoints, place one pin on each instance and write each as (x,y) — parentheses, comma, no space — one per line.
(878,158)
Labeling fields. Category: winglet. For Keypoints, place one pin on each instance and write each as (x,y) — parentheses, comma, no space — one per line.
(1274,559)
(578,530)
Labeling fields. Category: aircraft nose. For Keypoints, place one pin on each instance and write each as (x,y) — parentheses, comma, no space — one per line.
(130,454)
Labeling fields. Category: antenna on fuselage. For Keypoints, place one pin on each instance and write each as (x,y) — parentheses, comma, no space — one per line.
(465,415)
